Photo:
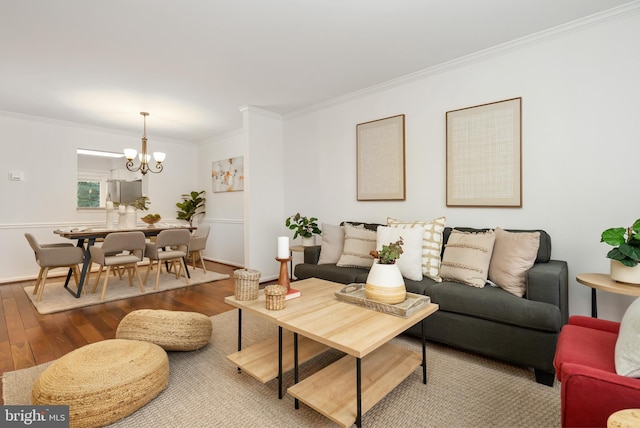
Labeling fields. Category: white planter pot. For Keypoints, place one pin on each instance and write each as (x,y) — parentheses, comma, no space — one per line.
(309,242)
(385,284)
(622,273)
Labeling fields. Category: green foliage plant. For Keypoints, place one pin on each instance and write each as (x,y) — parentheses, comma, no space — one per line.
(192,205)
(389,253)
(303,226)
(626,242)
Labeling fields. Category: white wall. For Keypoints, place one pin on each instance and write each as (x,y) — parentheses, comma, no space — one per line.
(45,153)
(224,211)
(580,125)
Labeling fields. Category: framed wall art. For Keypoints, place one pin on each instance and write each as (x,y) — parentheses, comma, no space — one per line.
(380,157)
(228,175)
(484,155)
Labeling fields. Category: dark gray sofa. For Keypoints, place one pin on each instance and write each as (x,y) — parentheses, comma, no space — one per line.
(488,321)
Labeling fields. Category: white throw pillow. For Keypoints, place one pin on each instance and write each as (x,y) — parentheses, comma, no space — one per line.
(431,243)
(514,253)
(627,355)
(410,261)
(332,244)
(466,257)
(358,243)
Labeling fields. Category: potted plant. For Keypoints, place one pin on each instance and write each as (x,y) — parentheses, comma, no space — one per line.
(626,252)
(192,205)
(385,283)
(305,227)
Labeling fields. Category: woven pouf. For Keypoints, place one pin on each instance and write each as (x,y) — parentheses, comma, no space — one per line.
(171,330)
(104,381)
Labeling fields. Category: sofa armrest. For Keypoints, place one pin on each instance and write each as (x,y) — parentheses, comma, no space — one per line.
(548,282)
(312,254)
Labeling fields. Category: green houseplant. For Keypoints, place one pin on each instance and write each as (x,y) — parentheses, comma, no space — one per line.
(303,226)
(626,242)
(385,283)
(389,253)
(192,205)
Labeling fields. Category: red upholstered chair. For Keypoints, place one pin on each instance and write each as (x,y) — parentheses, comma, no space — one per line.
(584,361)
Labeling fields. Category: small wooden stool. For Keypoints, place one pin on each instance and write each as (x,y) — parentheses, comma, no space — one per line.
(171,330)
(104,381)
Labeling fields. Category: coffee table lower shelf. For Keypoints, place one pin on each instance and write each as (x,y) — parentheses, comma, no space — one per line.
(332,390)
(261,360)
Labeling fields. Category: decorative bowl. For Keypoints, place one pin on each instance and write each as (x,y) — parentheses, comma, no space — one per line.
(151,219)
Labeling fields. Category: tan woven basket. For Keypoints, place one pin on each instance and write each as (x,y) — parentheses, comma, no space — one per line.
(247,284)
(274,297)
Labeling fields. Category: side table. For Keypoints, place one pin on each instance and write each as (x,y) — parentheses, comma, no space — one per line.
(602,281)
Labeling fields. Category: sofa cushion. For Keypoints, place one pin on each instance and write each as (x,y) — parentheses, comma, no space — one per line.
(431,243)
(627,349)
(513,255)
(494,304)
(585,346)
(467,256)
(331,272)
(332,244)
(358,243)
(410,261)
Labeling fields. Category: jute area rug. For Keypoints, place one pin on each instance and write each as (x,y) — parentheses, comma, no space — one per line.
(206,390)
(56,299)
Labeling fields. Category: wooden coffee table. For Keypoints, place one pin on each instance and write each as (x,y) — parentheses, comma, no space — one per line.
(322,321)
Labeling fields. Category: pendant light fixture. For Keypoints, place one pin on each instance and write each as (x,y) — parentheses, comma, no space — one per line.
(144,157)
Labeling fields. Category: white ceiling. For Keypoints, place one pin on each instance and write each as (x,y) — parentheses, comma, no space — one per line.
(193,63)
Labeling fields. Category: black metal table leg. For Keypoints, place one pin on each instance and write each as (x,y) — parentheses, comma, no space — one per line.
(295,365)
(424,352)
(594,304)
(85,267)
(280,363)
(239,332)
(358,392)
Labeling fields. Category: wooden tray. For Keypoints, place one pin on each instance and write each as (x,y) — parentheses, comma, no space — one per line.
(355,293)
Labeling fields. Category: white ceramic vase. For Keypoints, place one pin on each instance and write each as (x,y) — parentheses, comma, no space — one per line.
(308,242)
(622,273)
(385,284)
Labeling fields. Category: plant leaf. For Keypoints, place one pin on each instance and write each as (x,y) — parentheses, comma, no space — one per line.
(614,236)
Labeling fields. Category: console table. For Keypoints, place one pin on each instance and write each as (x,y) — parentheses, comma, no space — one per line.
(602,281)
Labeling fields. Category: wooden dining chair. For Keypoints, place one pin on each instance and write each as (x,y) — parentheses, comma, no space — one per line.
(169,246)
(54,256)
(124,249)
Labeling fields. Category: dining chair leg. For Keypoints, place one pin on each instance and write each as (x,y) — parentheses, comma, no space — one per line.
(35,289)
(104,284)
(137,271)
(95,284)
(44,279)
(202,261)
(158,275)
(149,269)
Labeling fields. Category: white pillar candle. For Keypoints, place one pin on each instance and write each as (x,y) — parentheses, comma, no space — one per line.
(109,205)
(283,247)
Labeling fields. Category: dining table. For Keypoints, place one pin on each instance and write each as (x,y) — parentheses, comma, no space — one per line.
(87,237)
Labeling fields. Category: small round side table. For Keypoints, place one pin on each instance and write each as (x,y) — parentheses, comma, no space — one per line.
(627,418)
(603,281)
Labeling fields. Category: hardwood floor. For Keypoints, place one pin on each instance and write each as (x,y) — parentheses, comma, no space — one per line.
(28,338)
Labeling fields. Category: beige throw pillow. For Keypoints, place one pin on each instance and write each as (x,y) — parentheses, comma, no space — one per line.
(410,261)
(358,243)
(431,243)
(627,353)
(332,244)
(514,253)
(466,257)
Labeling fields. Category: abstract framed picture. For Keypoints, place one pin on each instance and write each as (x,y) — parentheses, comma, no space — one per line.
(228,175)
(484,155)
(380,157)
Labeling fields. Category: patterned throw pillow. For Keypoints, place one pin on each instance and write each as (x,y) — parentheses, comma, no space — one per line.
(358,243)
(431,243)
(466,257)
(514,253)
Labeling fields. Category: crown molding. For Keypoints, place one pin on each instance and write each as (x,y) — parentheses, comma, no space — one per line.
(500,49)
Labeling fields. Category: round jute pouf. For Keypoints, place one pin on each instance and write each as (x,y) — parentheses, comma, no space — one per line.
(104,381)
(171,330)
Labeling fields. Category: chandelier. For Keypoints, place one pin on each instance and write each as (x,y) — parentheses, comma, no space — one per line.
(144,157)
